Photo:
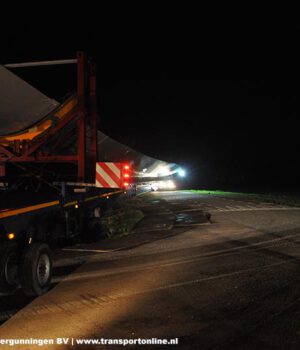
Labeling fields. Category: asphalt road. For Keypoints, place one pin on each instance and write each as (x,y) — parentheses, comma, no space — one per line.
(233,283)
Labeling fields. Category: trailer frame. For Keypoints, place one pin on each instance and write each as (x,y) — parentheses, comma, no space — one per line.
(85,116)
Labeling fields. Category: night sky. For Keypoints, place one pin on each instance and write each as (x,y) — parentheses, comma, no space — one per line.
(220,98)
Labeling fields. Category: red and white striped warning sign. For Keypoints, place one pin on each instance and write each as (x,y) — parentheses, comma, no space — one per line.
(109,174)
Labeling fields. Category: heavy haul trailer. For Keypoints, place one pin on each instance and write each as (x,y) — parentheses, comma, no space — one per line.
(35,211)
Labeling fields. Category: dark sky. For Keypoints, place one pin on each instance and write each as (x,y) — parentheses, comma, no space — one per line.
(220,97)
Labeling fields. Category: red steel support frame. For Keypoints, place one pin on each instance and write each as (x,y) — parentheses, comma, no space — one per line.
(81,80)
(93,113)
(86,113)
(2,170)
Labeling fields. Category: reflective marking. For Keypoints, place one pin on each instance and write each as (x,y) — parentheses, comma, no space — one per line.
(27,209)
(115,169)
(8,213)
(69,204)
(105,167)
(103,176)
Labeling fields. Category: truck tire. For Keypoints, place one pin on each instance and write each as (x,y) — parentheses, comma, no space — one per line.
(8,267)
(36,269)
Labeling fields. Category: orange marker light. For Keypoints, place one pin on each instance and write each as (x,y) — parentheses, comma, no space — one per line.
(10,235)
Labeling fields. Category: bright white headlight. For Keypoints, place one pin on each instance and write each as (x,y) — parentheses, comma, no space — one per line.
(170,184)
(181,172)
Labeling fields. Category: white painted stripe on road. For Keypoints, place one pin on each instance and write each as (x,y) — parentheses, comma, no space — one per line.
(92,250)
(210,207)
(189,210)
(192,224)
(256,209)
(178,261)
(92,275)
(98,301)
(230,274)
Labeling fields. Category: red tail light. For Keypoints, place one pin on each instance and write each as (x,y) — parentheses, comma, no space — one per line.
(126,175)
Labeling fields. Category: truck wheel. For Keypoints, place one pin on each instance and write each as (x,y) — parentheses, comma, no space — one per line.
(8,267)
(36,269)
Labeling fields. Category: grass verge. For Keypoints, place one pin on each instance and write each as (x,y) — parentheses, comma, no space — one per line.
(122,218)
(270,198)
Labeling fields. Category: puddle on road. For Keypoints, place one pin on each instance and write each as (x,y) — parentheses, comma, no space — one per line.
(184,218)
(156,201)
(197,217)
